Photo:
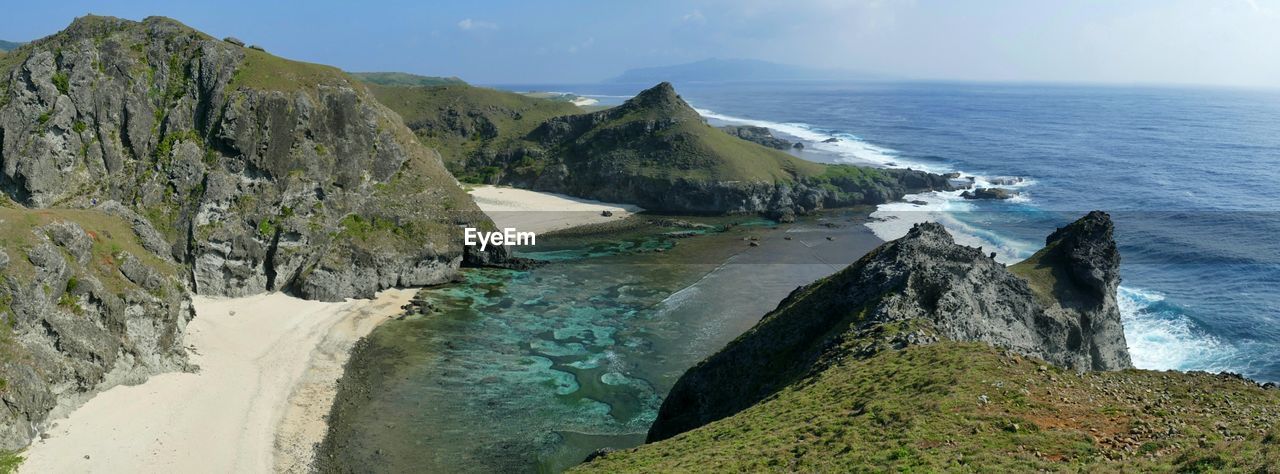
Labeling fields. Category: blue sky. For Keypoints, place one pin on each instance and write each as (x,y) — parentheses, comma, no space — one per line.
(1222,42)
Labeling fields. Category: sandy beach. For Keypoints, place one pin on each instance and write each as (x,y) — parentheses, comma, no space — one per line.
(534,211)
(268,365)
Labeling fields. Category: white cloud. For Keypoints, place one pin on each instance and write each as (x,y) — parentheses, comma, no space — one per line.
(694,17)
(470,25)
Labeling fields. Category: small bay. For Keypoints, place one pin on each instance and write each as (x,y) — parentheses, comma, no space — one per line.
(518,371)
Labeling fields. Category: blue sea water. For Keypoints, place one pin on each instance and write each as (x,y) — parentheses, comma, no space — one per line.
(1191,177)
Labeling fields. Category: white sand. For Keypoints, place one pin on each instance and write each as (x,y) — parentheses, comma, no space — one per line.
(532,211)
(257,405)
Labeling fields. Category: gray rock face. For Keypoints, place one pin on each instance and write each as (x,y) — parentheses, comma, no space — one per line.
(214,169)
(989,193)
(76,322)
(759,135)
(259,173)
(916,290)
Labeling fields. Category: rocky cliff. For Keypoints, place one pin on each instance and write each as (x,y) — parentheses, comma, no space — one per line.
(144,161)
(261,173)
(920,289)
(84,305)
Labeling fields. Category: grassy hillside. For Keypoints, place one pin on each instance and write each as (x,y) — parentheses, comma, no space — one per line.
(8,45)
(264,71)
(463,121)
(406,79)
(970,407)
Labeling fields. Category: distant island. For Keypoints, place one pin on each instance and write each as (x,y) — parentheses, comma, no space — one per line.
(738,70)
(406,79)
(9,45)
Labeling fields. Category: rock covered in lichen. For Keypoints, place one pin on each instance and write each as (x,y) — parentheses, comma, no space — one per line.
(260,173)
(82,313)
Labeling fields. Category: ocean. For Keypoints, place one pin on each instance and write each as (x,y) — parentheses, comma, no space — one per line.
(1190,176)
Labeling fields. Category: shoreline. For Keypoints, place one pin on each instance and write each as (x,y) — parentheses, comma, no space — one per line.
(373,429)
(268,370)
(542,212)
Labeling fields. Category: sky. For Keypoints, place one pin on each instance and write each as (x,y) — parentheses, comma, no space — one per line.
(1206,42)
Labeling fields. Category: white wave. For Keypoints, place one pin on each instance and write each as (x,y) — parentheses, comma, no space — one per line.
(1158,340)
(1164,340)
(893,220)
(848,147)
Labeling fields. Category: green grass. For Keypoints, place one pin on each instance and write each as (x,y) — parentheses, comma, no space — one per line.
(9,462)
(263,71)
(657,135)
(1042,275)
(463,121)
(920,409)
(109,235)
(61,81)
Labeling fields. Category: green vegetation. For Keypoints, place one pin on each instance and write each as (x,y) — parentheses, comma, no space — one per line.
(9,462)
(657,135)
(464,122)
(266,228)
(263,71)
(405,79)
(1041,274)
(61,81)
(110,236)
(6,46)
(970,407)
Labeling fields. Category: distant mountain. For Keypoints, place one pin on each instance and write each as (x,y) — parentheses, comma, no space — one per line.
(9,45)
(737,70)
(405,79)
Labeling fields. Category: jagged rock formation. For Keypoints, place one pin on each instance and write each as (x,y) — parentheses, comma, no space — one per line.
(758,135)
(84,306)
(654,151)
(1058,306)
(262,173)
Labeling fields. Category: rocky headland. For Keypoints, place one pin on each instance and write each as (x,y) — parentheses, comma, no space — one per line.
(926,354)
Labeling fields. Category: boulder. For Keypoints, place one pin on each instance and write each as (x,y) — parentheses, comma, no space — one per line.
(989,193)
